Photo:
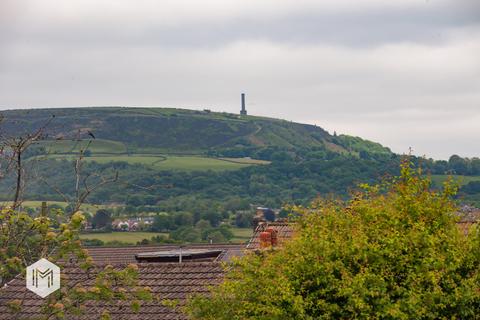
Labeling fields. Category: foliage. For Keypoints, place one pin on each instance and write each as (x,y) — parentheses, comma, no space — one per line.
(182,130)
(472,187)
(303,157)
(243,219)
(393,251)
(156,240)
(186,234)
(92,242)
(294,181)
(306,160)
(203,224)
(363,147)
(162,222)
(111,285)
(27,235)
(218,235)
(102,219)
(25,239)
(195,234)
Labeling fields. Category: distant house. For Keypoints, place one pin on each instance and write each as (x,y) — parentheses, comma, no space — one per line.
(267,213)
(87,226)
(263,214)
(132,224)
(120,225)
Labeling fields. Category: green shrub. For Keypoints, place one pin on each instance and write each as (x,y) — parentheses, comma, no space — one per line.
(393,252)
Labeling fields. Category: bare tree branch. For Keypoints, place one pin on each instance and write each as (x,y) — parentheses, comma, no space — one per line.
(14,148)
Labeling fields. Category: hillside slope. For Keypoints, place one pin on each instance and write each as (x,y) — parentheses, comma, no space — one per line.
(150,130)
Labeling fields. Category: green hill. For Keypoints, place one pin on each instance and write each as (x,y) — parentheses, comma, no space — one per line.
(183,160)
(163,130)
(187,167)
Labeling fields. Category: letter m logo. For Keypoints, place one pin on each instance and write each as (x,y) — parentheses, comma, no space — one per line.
(37,273)
(43,277)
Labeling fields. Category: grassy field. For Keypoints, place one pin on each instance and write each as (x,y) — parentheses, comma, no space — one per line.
(37,204)
(136,159)
(128,237)
(171,162)
(105,151)
(73,146)
(241,235)
(246,160)
(198,163)
(438,179)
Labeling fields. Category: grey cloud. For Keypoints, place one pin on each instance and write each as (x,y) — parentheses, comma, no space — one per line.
(404,74)
(425,22)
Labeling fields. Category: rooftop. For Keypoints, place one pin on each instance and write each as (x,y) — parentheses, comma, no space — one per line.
(168,280)
(125,255)
(468,214)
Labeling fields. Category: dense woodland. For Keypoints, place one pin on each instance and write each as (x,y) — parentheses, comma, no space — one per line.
(294,177)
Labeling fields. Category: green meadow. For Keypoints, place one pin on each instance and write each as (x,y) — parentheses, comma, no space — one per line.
(438,180)
(92,208)
(74,146)
(170,162)
(241,235)
(127,237)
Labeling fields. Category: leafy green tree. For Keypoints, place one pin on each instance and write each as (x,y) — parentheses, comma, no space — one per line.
(458,164)
(130,210)
(213,217)
(475,166)
(392,252)
(220,234)
(102,219)
(24,239)
(92,242)
(186,234)
(472,187)
(203,224)
(134,201)
(27,237)
(216,237)
(236,203)
(162,222)
(243,219)
(226,231)
(183,218)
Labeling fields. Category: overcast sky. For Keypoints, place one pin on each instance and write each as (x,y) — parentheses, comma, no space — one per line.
(405,73)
